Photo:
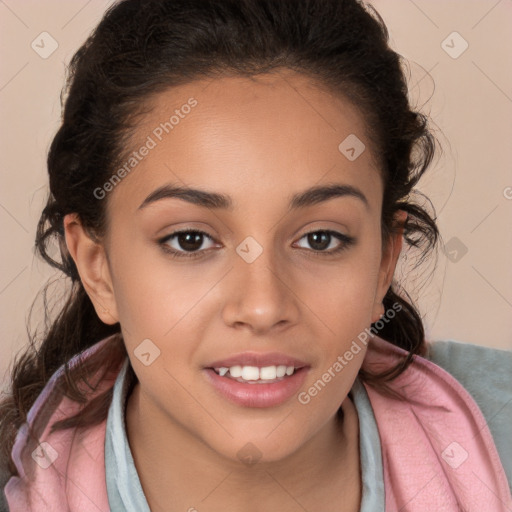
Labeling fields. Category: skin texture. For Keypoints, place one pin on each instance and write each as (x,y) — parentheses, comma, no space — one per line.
(259,141)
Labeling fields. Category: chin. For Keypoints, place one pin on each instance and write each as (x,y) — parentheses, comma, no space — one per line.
(259,447)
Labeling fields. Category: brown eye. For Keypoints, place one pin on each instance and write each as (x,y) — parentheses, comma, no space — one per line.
(321,240)
(187,243)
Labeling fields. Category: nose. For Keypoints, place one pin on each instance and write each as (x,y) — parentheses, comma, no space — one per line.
(260,295)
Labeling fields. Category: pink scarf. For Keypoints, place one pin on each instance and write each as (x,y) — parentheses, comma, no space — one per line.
(438,453)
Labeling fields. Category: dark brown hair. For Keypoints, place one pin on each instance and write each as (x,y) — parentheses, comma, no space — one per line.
(143,47)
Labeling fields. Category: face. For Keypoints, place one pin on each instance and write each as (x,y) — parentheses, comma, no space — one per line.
(256,279)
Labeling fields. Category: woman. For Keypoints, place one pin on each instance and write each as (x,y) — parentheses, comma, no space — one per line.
(230,190)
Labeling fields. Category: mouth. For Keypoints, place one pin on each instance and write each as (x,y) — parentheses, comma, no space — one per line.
(257,380)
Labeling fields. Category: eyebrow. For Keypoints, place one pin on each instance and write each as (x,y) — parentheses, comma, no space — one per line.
(308,197)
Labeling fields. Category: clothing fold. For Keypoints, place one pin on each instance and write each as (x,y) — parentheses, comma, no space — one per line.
(437,452)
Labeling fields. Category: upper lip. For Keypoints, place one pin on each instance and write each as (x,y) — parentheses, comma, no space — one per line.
(257,359)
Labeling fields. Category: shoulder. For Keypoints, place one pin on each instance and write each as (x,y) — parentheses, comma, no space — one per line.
(486,373)
(47,457)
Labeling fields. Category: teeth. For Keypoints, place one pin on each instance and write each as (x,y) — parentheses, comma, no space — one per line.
(281,371)
(250,373)
(268,373)
(253,373)
(235,371)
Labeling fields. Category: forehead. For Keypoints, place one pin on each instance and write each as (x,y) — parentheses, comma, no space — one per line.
(259,136)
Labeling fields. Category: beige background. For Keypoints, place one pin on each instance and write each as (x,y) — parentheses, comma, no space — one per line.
(468,297)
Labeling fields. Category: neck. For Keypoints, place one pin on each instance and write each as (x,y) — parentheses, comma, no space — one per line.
(180,471)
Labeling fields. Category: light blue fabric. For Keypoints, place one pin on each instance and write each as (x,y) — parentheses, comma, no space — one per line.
(486,374)
(124,489)
(372,478)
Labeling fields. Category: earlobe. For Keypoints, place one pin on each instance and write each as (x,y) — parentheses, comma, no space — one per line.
(92,265)
(378,312)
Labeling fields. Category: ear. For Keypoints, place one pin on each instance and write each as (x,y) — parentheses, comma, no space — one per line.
(388,265)
(91,261)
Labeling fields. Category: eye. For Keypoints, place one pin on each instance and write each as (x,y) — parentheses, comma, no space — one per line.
(322,239)
(191,241)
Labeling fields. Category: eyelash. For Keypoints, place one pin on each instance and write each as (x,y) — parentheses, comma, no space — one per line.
(347,241)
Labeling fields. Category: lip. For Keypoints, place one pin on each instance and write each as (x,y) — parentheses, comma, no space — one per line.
(257,359)
(256,394)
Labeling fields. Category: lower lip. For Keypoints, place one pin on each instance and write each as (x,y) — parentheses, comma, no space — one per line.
(257,395)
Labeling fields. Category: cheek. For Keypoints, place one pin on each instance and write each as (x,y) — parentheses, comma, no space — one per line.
(159,297)
(152,292)
(343,295)
(343,302)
